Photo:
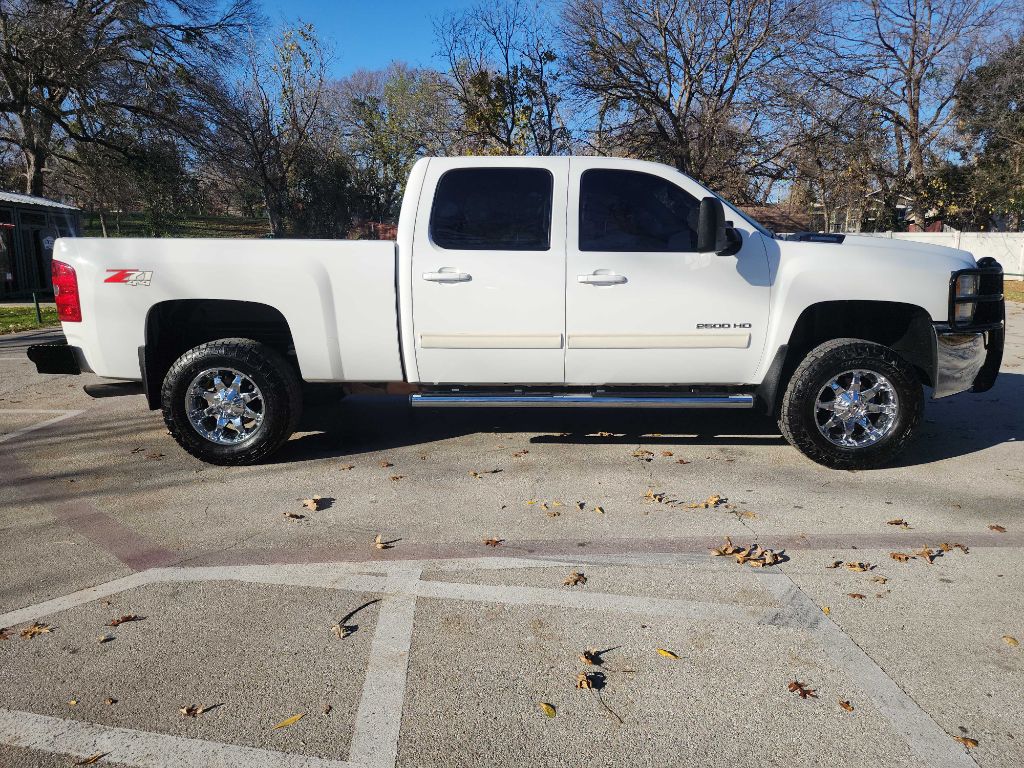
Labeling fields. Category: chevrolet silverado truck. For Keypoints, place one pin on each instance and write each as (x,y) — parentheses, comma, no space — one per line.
(537,282)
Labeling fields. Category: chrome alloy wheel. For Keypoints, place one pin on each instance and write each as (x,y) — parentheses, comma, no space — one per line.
(856,409)
(225,414)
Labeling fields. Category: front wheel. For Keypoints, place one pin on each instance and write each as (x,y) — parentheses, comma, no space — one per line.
(851,404)
(231,401)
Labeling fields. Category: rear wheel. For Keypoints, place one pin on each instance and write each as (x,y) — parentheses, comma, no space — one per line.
(851,404)
(231,401)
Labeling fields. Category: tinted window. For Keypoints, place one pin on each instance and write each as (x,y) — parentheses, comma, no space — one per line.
(632,211)
(499,209)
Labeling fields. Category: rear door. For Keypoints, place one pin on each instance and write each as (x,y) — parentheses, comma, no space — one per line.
(488,271)
(642,306)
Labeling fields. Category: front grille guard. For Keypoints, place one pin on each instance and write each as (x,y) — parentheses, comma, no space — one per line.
(990,310)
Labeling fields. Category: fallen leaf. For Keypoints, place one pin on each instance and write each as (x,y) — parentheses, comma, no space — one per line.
(155,456)
(709,503)
(294,516)
(859,567)
(878,579)
(125,620)
(835,564)
(313,503)
(493,542)
(899,521)
(801,689)
(666,454)
(666,654)
(386,464)
(347,467)
(73,702)
(289,721)
(5,633)
(682,461)
(110,702)
(327,709)
(1011,641)
(926,553)
(580,505)
(966,741)
(997,528)
(846,705)
(195,710)
(341,631)
(585,680)
(592,656)
(856,595)
(599,510)
(826,610)
(900,557)
(520,454)
(35,630)
(753,555)
(106,638)
(547,709)
(379,543)
(91,759)
(643,455)
(574,578)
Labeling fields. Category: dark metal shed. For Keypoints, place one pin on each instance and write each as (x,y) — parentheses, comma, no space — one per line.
(28,228)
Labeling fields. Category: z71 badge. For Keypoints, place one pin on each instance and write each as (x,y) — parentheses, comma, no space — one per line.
(129,277)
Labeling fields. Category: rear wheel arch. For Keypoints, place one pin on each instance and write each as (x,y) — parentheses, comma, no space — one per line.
(174,327)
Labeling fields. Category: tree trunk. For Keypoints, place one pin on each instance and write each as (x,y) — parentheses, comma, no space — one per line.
(103,223)
(35,163)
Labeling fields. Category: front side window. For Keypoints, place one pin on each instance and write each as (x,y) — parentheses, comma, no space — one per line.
(493,209)
(629,211)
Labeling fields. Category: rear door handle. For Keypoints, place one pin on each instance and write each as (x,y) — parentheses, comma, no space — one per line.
(447,275)
(598,278)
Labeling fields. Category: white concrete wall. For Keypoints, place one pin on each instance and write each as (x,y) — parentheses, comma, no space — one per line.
(1006,247)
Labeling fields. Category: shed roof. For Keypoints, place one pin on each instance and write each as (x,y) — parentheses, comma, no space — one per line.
(14,198)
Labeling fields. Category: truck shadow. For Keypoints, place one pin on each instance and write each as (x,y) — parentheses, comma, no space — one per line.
(955,426)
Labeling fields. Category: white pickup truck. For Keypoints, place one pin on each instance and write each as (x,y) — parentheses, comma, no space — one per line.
(524,282)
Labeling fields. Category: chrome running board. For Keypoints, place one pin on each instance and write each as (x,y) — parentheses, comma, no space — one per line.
(488,400)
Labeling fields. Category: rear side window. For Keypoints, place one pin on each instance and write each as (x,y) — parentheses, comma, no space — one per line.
(493,209)
(629,211)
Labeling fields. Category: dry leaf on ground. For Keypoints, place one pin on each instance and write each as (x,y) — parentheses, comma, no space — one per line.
(105,638)
(5,633)
(997,528)
(799,688)
(72,702)
(341,631)
(900,557)
(195,710)
(966,741)
(709,503)
(313,503)
(682,461)
(846,705)
(574,578)
(91,759)
(385,464)
(493,542)
(899,521)
(110,701)
(586,680)
(289,721)
(666,454)
(666,653)
(379,543)
(926,553)
(520,454)
(859,567)
(643,455)
(1011,641)
(826,610)
(35,630)
(753,555)
(396,478)
(347,467)
(856,595)
(599,510)
(547,709)
(835,564)
(294,516)
(878,579)
(125,619)
(592,656)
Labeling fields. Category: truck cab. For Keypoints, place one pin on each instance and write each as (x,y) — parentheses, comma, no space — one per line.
(537,281)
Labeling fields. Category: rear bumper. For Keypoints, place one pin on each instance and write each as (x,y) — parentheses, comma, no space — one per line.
(966,360)
(55,358)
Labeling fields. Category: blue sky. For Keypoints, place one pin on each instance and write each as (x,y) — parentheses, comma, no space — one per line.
(368,35)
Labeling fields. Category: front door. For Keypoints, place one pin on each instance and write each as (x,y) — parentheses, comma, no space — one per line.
(642,306)
(488,272)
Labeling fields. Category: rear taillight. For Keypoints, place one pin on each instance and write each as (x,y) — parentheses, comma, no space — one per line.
(65,293)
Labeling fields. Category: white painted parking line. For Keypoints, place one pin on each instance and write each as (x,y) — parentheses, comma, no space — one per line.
(61,416)
(930,743)
(140,748)
(379,717)
(75,599)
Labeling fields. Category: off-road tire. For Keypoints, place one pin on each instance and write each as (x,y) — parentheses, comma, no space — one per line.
(797,414)
(277,380)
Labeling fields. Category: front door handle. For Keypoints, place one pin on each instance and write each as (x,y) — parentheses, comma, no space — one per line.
(447,275)
(599,278)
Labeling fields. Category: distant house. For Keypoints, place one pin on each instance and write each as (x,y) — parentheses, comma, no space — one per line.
(780,218)
(28,228)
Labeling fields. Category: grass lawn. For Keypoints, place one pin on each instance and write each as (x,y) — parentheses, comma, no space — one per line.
(1013,290)
(14,319)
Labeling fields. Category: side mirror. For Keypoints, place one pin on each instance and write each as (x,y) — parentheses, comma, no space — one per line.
(713,233)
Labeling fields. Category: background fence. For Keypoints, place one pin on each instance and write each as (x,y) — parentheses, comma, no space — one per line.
(1006,247)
